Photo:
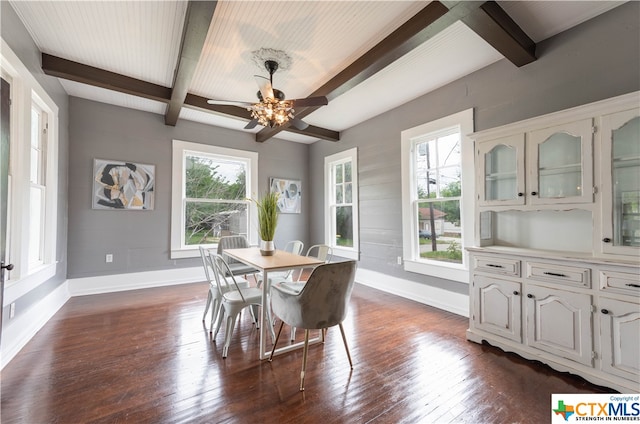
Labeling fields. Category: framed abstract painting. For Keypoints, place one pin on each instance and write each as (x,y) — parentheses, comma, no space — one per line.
(290,199)
(121,185)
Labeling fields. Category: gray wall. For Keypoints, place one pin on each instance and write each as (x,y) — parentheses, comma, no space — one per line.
(596,60)
(140,240)
(17,37)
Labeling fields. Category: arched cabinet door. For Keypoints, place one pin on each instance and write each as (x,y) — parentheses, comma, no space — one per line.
(560,164)
(501,179)
(621,183)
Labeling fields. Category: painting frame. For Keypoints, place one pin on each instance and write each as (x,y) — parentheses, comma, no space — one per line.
(123,185)
(290,194)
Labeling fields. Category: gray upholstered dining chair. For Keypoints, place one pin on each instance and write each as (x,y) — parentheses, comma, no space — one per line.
(322,303)
(235,242)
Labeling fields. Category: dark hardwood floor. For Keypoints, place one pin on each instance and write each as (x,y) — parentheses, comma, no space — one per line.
(145,357)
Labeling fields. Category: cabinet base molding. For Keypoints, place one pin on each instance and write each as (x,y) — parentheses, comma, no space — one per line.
(592,375)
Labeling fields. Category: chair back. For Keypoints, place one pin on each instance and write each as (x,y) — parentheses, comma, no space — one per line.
(322,252)
(224,278)
(231,242)
(206,263)
(323,301)
(294,246)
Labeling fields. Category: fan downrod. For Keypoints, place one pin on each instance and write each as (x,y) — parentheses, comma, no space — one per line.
(271,66)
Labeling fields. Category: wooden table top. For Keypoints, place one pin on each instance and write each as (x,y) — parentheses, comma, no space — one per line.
(279,260)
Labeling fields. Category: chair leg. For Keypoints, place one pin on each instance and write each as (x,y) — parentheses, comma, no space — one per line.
(304,358)
(219,319)
(206,308)
(276,341)
(293,334)
(344,339)
(215,311)
(231,323)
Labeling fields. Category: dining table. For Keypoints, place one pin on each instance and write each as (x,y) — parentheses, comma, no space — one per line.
(280,260)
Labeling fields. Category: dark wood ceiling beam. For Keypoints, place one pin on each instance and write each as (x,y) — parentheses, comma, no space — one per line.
(487,19)
(196,26)
(85,74)
(422,26)
(74,71)
(497,28)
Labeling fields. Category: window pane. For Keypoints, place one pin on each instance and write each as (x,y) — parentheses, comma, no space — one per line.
(206,222)
(426,155)
(344,226)
(449,150)
(208,178)
(426,183)
(439,231)
(347,193)
(36,201)
(347,171)
(449,182)
(339,194)
(338,173)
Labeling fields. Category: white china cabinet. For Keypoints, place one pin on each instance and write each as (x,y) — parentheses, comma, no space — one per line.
(555,271)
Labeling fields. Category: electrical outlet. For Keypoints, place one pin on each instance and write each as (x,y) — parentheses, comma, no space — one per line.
(12,310)
(108,258)
(399,260)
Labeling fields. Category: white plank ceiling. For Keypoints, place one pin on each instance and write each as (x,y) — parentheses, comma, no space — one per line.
(141,39)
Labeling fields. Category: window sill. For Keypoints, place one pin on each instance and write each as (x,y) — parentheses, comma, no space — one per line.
(15,289)
(454,272)
(345,253)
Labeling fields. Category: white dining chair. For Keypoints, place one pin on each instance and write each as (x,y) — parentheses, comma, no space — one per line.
(233,301)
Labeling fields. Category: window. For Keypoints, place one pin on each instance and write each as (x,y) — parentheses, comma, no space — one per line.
(32,177)
(38,188)
(211,191)
(341,203)
(437,201)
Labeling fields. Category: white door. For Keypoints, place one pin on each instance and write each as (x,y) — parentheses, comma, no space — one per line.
(4,185)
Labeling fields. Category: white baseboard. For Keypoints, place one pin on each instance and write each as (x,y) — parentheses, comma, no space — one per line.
(135,281)
(17,332)
(442,299)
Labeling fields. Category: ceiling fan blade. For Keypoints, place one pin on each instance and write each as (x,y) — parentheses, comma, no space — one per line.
(265,86)
(311,101)
(251,125)
(299,124)
(229,102)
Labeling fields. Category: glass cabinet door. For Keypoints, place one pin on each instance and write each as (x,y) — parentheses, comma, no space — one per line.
(621,182)
(560,164)
(502,171)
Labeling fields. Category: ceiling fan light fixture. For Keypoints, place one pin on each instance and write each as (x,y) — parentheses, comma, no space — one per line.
(272,113)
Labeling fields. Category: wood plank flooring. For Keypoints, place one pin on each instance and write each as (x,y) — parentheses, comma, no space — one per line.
(145,356)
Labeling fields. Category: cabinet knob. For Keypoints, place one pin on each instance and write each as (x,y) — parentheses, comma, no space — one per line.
(604,311)
(606,240)
(520,194)
(533,193)
(516,292)
(530,296)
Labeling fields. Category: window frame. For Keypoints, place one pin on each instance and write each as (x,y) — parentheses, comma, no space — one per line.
(350,155)
(410,245)
(26,92)
(180,149)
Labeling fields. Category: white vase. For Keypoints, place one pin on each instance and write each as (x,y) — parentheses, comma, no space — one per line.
(267,248)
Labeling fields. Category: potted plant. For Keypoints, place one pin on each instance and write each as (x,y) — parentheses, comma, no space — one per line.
(267,222)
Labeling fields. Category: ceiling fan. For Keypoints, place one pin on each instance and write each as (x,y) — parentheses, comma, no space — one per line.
(273,109)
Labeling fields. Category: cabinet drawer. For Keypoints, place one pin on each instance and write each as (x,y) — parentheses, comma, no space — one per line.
(620,282)
(559,274)
(502,266)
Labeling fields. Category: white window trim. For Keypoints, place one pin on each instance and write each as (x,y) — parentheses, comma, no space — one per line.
(449,271)
(26,90)
(345,252)
(180,148)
